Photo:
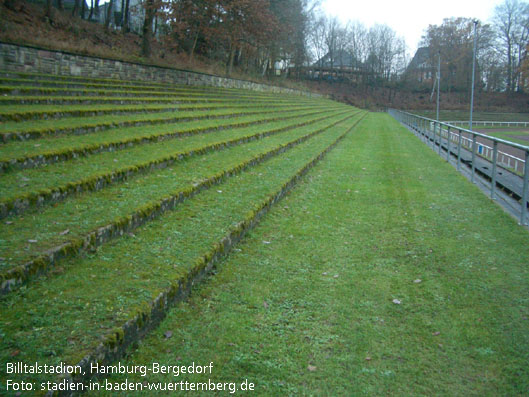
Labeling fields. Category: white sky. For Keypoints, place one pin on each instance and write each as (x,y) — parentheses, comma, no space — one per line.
(409,18)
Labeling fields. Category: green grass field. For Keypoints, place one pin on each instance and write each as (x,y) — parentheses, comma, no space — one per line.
(508,134)
(326,251)
(459,115)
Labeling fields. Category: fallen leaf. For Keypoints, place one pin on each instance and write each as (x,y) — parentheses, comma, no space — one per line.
(14,353)
(368,358)
(168,334)
(436,333)
(336,276)
(32,241)
(396,301)
(265,305)
(417,281)
(9,222)
(266,242)
(324,273)
(312,368)
(64,232)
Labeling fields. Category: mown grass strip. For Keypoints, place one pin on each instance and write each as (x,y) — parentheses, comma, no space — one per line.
(120,139)
(179,250)
(36,112)
(127,87)
(15,90)
(40,112)
(35,129)
(79,240)
(93,100)
(45,185)
(134,85)
(377,214)
(40,76)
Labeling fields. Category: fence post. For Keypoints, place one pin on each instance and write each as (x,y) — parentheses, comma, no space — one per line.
(494,162)
(448,145)
(459,152)
(440,136)
(525,188)
(473,157)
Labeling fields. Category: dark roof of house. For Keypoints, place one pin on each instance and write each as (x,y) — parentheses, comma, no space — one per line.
(421,57)
(342,59)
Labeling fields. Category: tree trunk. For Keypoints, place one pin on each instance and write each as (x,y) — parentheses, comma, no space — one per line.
(60,6)
(49,10)
(126,27)
(122,22)
(83,9)
(109,13)
(97,8)
(146,49)
(230,59)
(91,10)
(192,51)
(76,8)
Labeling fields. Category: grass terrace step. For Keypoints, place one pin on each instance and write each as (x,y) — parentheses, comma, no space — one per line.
(104,128)
(120,281)
(35,187)
(49,151)
(140,84)
(81,215)
(93,100)
(39,112)
(42,76)
(313,285)
(14,90)
(97,80)
(34,129)
(170,88)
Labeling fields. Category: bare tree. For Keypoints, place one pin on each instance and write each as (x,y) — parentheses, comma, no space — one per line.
(108,17)
(76,8)
(511,20)
(150,11)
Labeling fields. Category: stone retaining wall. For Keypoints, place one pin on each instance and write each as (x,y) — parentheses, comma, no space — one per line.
(17,58)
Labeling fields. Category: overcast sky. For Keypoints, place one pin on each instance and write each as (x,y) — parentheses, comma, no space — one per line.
(409,18)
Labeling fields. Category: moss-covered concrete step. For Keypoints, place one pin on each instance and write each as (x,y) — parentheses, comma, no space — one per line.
(35,129)
(20,155)
(22,90)
(81,215)
(170,88)
(124,288)
(135,100)
(44,112)
(139,83)
(30,188)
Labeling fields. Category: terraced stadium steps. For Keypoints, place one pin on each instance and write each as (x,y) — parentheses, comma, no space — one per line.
(247,203)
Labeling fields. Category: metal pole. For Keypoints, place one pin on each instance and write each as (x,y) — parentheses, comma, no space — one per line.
(525,188)
(494,162)
(438,82)
(473,74)
(440,135)
(448,145)
(434,136)
(473,157)
(459,152)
